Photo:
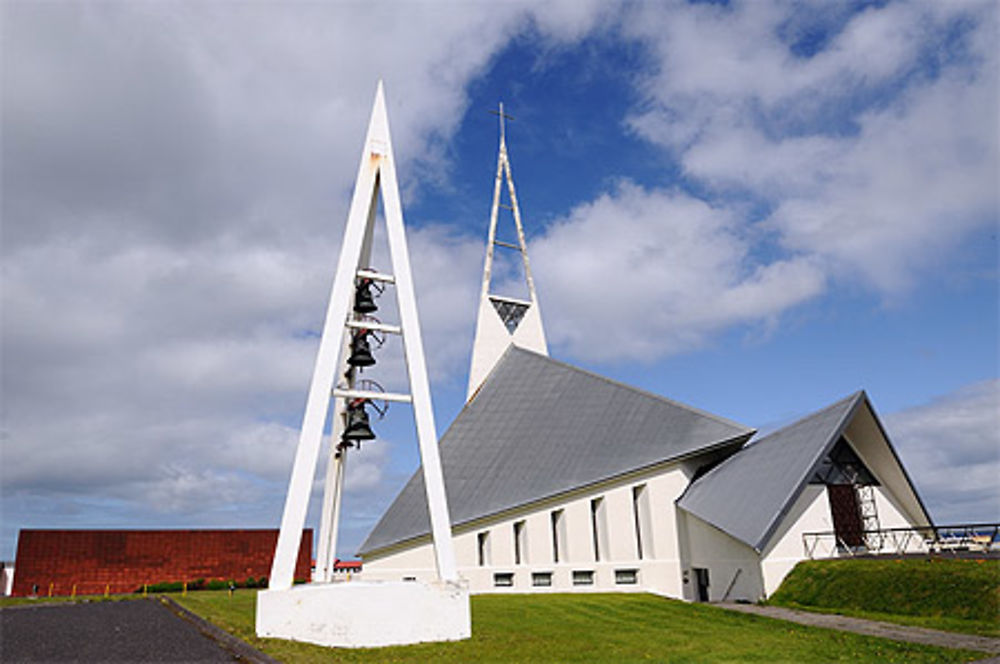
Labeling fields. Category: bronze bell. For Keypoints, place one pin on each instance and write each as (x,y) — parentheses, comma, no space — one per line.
(357,428)
(361,351)
(364,303)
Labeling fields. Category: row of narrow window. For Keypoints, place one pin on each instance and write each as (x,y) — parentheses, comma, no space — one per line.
(581,577)
(641,524)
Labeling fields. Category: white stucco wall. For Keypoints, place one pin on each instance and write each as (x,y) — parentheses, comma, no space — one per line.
(891,515)
(809,513)
(733,567)
(493,338)
(657,571)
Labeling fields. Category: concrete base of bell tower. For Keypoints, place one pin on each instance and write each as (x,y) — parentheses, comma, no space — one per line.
(365,614)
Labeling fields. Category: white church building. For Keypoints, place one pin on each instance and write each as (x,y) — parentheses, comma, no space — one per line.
(561,480)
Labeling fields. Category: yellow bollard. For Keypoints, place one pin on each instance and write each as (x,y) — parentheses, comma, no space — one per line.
(145,589)
(184,593)
(73,592)
(50,589)
(107,589)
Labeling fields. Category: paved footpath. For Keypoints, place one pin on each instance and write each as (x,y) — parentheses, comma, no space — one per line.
(930,637)
(121,631)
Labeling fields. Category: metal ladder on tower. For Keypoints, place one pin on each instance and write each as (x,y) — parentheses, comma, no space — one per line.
(868,511)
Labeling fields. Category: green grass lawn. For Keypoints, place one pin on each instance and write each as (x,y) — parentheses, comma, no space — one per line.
(592,628)
(938,593)
(57,599)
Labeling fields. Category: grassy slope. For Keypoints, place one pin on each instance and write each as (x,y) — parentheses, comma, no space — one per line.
(589,628)
(940,593)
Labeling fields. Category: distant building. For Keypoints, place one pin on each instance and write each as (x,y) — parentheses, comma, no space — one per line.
(87,562)
(345,567)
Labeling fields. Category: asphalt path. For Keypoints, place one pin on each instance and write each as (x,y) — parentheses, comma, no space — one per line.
(141,630)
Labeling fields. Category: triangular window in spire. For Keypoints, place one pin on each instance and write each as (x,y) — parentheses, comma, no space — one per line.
(511,313)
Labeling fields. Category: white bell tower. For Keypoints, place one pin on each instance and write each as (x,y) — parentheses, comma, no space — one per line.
(356,613)
(504,320)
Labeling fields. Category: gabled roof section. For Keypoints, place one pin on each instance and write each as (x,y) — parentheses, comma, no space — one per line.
(539,428)
(747,495)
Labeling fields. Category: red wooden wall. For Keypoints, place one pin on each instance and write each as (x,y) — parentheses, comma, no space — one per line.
(121,561)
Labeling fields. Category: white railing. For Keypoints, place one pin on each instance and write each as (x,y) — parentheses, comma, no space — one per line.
(974,538)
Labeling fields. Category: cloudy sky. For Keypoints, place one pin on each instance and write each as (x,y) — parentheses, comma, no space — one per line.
(755,208)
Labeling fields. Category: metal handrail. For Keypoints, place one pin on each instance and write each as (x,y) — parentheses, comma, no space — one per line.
(912,539)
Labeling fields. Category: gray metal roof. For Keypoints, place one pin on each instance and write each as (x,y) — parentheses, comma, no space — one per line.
(747,495)
(538,428)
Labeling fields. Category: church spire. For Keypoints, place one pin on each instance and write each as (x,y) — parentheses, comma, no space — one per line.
(504,320)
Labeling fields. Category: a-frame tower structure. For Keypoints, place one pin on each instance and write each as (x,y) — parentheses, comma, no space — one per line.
(504,320)
(376,175)
(359,614)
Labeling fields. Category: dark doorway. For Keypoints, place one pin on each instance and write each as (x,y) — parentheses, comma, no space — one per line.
(701,582)
(846,515)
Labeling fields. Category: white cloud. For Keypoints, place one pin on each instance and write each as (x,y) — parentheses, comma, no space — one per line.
(175,180)
(877,154)
(917,178)
(873,159)
(366,467)
(447,271)
(639,274)
(951,447)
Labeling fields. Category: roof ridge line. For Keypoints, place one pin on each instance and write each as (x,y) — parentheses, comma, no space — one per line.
(791,424)
(810,415)
(895,456)
(639,390)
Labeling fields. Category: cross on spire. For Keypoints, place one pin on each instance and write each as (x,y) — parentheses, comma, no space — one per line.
(502,116)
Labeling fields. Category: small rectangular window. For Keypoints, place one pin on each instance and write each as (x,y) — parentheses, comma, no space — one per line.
(483,548)
(503,579)
(637,492)
(520,544)
(558,535)
(583,577)
(541,579)
(598,526)
(643,521)
(626,577)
